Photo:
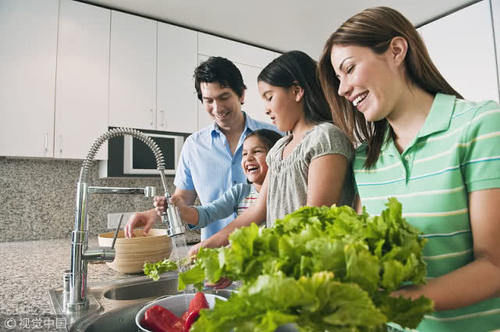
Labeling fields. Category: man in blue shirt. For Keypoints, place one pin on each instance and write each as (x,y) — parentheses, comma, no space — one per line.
(210,161)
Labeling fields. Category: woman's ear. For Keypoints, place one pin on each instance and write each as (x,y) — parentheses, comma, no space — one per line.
(298,91)
(398,49)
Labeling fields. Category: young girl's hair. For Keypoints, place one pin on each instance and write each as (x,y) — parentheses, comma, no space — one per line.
(266,136)
(295,68)
(375,28)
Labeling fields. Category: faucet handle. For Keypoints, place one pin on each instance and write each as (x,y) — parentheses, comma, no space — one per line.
(149,191)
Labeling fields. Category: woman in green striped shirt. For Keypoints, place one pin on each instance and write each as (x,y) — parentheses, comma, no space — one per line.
(420,142)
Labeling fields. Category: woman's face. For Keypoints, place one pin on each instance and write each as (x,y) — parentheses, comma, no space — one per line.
(253,160)
(368,80)
(282,105)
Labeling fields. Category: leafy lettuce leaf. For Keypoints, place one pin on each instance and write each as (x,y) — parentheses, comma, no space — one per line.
(153,270)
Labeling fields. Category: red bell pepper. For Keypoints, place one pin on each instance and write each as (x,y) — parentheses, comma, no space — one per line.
(184,316)
(159,319)
(198,302)
(191,317)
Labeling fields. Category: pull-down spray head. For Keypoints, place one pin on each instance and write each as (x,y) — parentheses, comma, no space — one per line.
(171,217)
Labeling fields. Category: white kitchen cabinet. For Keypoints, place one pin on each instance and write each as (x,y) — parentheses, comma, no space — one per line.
(151,70)
(28,34)
(82,79)
(250,60)
(462,47)
(176,96)
(132,80)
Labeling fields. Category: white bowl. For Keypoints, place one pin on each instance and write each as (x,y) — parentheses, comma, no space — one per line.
(177,304)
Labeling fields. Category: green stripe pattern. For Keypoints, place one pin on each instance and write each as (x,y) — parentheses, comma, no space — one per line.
(457,151)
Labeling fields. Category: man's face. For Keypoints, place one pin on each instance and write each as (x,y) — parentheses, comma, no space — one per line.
(222,104)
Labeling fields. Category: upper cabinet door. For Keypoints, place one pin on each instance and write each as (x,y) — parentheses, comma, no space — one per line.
(204,119)
(28,35)
(254,104)
(82,79)
(176,97)
(462,47)
(132,97)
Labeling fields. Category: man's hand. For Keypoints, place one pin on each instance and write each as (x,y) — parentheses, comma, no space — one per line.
(144,219)
(160,204)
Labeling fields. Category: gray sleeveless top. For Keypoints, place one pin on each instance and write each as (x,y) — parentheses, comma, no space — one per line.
(287,178)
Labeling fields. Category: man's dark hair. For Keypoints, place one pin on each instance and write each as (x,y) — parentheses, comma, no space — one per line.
(220,70)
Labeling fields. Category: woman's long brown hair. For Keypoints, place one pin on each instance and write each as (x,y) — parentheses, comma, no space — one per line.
(375,28)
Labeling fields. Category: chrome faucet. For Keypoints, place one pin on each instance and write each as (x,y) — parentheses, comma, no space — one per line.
(75,287)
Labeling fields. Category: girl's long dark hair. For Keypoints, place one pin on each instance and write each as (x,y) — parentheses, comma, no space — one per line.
(375,28)
(297,68)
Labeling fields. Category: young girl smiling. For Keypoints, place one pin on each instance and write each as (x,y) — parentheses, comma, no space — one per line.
(241,196)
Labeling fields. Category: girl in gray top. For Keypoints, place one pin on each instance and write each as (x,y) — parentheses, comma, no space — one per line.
(311,165)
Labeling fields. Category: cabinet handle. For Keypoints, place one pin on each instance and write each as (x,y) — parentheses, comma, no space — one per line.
(152,117)
(46,142)
(162,123)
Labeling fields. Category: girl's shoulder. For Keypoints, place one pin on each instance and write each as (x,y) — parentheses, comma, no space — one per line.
(325,137)
(328,130)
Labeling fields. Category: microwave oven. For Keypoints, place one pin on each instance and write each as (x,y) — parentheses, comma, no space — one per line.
(130,157)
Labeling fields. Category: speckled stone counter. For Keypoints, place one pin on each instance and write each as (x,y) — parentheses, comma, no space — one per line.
(30,268)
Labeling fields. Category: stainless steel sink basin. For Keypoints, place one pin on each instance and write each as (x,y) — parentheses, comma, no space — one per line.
(142,290)
(123,319)
(119,320)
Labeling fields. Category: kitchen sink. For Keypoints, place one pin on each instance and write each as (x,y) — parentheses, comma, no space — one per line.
(142,290)
(123,318)
(114,304)
(120,320)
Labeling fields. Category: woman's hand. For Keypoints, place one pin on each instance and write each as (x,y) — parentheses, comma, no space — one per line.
(193,251)
(221,283)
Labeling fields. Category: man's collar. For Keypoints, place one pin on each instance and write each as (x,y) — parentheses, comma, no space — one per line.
(249,124)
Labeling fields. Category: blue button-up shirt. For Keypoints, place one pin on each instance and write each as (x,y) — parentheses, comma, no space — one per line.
(208,167)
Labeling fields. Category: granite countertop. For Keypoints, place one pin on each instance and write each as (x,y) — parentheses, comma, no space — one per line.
(31,268)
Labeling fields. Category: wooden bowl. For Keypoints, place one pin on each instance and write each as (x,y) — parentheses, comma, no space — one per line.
(131,254)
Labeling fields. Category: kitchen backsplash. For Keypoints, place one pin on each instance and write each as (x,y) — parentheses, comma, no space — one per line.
(37,199)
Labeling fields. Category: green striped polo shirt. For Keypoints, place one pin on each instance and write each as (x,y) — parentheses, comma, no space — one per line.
(457,151)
